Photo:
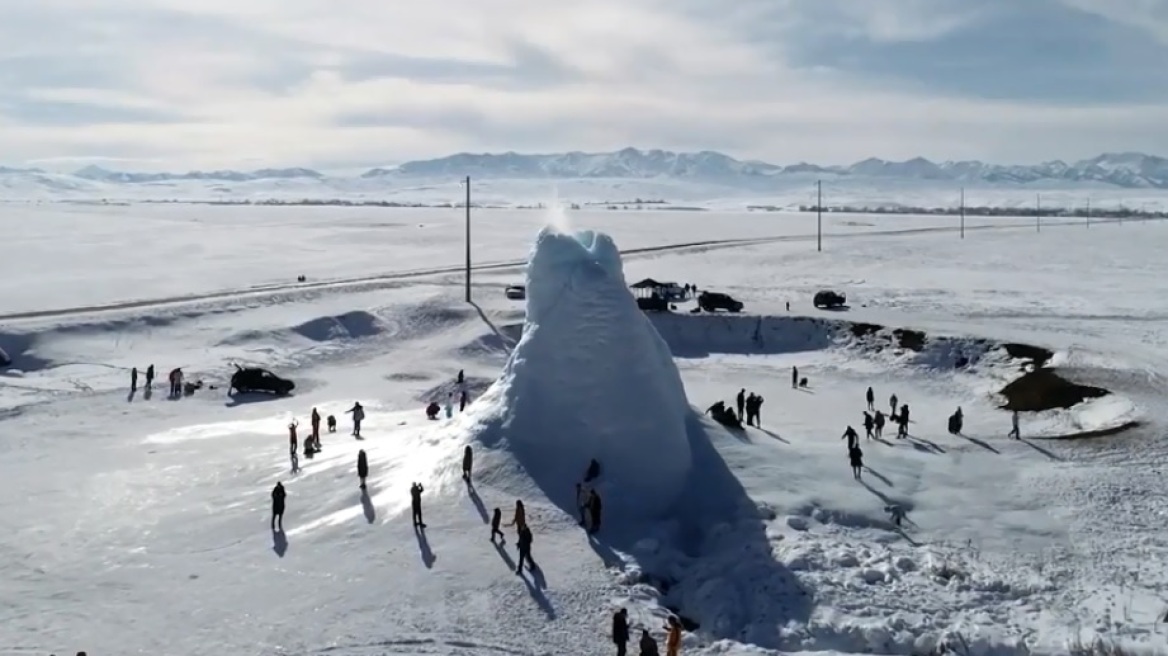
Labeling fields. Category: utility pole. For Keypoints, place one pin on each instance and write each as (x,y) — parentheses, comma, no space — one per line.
(963,212)
(467,183)
(1088,212)
(819,216)
(1038,212)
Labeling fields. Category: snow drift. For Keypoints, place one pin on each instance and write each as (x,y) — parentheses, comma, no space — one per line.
(590,378)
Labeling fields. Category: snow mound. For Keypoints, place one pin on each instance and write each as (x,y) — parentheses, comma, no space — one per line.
(590,378)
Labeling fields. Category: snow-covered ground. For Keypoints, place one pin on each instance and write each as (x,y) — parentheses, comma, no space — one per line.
(136,524)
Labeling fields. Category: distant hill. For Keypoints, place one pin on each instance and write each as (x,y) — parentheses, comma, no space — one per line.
(1117,170)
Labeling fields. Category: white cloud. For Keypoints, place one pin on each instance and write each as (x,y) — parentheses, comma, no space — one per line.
(178,84)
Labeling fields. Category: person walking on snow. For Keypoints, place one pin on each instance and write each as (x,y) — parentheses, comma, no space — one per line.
(1014,432)
(362,467)
(620,631)
(292,441)
(648,645)
(794,377)
(520,518)
(673,636)
(879,424)
(315,422)
(462,400)
(741,399)
(358,416)
(416,491)
(594,511)
(852,435)
(871,398)
(903,421)
(467,463)
(278,495)
(856,458)
(497,517)
(449,405)
(524,544)
(134,379)
(149,376)
(869,425)
(892,404)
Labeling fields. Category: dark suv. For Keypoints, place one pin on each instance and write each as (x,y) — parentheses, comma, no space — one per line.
(254,379)
(829,299)
(714,301)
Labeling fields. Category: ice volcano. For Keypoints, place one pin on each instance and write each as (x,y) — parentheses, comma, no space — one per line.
(590,378)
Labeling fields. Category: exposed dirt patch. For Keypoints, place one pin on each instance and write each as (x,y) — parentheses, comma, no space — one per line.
(864,329)
(1036,354)
(1043,389)
(914,340)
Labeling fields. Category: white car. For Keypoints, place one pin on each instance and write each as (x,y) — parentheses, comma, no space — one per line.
(516,292)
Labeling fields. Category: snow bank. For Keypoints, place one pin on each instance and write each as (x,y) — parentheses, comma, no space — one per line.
(589,378)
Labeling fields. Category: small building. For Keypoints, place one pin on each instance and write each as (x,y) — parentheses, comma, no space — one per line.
(648,287)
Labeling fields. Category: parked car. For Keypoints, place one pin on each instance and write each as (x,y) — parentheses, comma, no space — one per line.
(829,299)
(516,292)
(255,379)
(714,301)
(653,303)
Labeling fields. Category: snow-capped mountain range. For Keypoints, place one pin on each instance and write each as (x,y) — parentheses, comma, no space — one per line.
(1122,170)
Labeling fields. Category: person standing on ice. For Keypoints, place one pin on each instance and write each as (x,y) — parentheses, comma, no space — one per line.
(149,376)
(134,379)
(449,405)
(416,491)
(648,644)
(1014,432)
(879,424)
(362,467)
(524,544)
(871,398)
(315,421)
(620,631)
(741,400)
(852,436)
(292,441)
(496,518)
(892,404)
(583,496)
(358,416)
(869,425)
(794,377)
(856,458)
(594,512)
(672,636)
(467,463)
(461,377)
(462,400)
(278,495)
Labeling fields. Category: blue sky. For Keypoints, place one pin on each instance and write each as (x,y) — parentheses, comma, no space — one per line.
(156,84)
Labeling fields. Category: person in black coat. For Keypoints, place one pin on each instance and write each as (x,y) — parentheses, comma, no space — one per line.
(620,631)
(594,511)
(467,463)
(648,644)
(496,518)
(416,491)
(278,495)
(525,539)
(856,459)
(871,398)
(740,401)
(362,467)
(149,376)
(794,377)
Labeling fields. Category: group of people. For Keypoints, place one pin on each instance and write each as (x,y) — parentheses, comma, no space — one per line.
(176,379)
(433,408)
(588,499)
(749,407)
(621,636)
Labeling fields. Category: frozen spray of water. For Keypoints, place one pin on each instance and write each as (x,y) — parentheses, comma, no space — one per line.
(557,215)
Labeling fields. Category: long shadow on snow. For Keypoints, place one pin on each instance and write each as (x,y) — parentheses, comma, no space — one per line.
(710,555)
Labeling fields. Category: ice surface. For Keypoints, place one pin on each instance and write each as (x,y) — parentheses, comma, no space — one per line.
(591,378)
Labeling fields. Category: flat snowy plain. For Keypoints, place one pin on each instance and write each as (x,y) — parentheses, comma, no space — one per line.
(134,524)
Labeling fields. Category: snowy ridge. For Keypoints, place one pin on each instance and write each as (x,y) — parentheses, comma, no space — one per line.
(589,378)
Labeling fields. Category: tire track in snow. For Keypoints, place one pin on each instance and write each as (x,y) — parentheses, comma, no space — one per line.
(504,265)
